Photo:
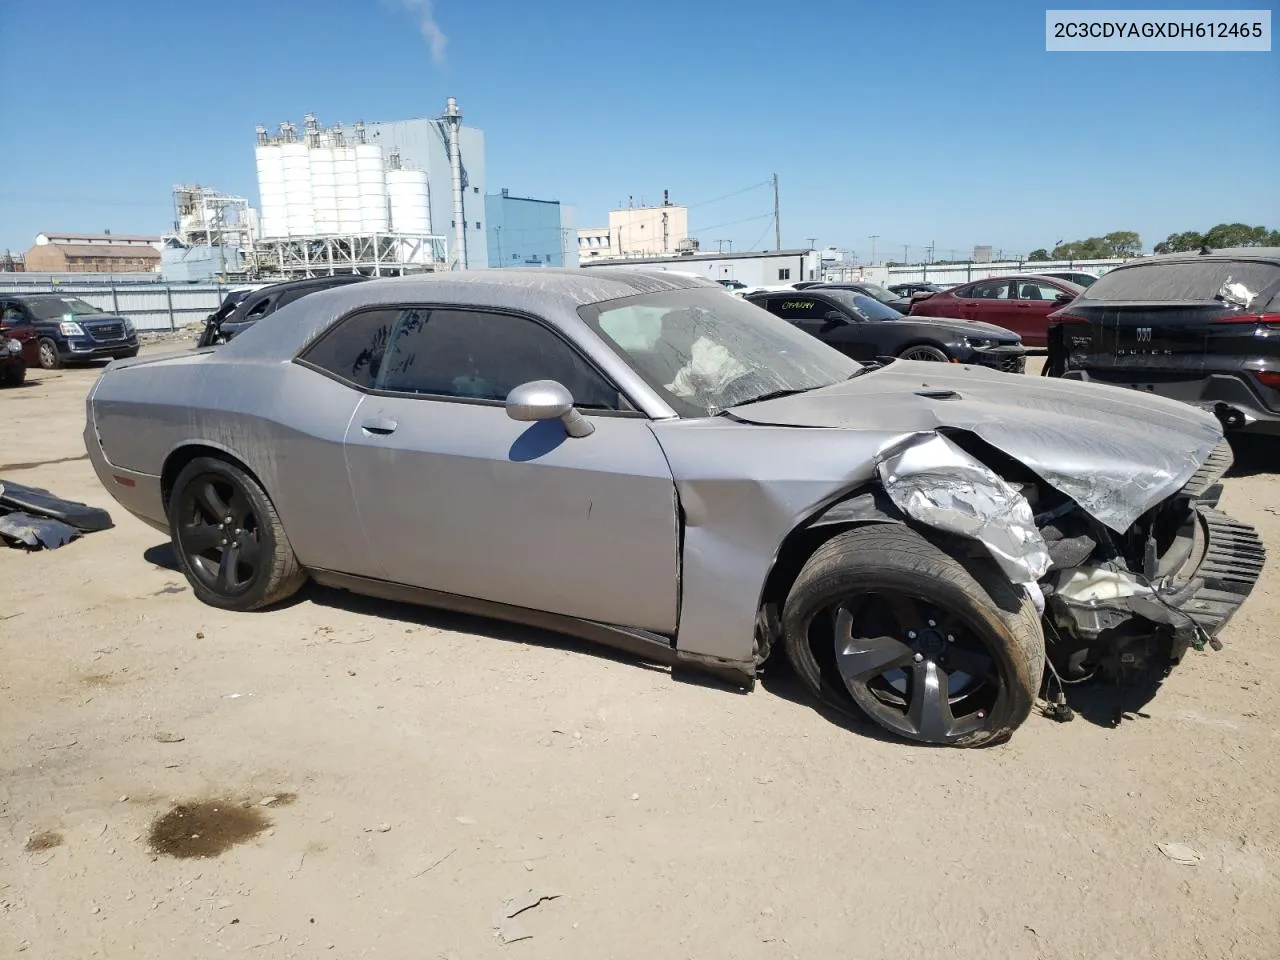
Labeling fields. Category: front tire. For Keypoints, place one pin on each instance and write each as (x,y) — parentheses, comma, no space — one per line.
(882,625)
(229,539)
(923,351)
(50,359)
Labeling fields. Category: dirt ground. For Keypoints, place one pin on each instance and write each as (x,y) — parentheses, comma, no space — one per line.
(428,767)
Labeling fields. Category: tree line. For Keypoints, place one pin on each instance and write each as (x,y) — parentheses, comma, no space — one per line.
(1121,244)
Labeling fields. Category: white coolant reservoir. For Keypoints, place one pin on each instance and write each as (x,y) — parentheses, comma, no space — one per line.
(1091,584)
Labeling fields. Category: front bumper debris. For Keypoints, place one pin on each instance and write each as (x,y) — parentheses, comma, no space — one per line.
(1123,620)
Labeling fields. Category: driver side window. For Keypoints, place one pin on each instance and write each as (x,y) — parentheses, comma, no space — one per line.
(442,352)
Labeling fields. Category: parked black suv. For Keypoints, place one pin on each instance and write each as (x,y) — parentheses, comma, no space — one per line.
(1202,328)
(241,310)
(68,330)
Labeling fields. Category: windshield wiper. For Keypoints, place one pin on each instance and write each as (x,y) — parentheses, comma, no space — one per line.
(774,395)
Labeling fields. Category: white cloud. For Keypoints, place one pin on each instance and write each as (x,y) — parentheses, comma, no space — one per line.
(431,32)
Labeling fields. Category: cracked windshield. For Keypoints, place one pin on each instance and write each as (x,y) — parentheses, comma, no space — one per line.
(707,352)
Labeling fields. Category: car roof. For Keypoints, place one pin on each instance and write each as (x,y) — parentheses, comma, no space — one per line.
(302,283)
(1019,276)
(1264,254)
(550,292)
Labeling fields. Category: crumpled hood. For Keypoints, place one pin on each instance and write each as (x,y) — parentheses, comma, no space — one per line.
(1116,452)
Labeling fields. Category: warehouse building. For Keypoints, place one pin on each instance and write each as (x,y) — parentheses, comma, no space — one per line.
(751,269)
(637,232)
(523,232)
(93,253)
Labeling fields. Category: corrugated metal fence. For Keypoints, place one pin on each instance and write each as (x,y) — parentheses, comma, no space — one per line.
(151,306)
(951,273)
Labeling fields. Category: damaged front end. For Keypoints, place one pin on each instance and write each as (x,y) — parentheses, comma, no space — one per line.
(1138,600)
(1114,604)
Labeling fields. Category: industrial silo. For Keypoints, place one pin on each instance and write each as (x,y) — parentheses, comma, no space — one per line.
(270,188)
(347,189)
(324,189)
(409,198)
(371,177)
(297,189)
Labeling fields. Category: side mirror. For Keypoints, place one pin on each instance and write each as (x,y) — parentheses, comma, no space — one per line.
(1063,298)
(835,316)
(547,400)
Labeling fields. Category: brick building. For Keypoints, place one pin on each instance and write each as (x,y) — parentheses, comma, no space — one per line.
(93,253)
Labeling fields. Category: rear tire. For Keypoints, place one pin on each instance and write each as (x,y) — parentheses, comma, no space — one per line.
(229,539)
(50,359)
(883,625)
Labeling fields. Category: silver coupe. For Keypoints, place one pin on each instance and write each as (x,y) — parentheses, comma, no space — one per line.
(645,460)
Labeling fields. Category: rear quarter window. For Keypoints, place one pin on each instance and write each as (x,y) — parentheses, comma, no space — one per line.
(1184,281)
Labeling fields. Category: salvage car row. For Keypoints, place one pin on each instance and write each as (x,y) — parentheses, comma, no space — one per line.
(637,458)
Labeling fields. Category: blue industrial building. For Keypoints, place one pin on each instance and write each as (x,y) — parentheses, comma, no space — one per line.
(522,232)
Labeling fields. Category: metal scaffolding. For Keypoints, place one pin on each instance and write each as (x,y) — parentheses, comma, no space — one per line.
(372,254)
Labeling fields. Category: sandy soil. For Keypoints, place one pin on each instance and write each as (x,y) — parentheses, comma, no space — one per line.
(427,767)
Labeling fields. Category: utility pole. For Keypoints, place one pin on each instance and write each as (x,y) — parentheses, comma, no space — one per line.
(499,232)
(873,238)
(813,274)
(777,224)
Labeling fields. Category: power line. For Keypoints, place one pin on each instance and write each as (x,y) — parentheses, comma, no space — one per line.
(730,223)
(760,238)
(754,186)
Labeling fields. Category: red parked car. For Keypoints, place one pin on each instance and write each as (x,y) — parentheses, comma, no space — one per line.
(1020,303)
(15,360)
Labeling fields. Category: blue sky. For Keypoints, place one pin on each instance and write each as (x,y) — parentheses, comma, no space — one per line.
(920,122)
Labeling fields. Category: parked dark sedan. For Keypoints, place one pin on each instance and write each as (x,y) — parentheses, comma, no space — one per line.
(865,329)
(873,290)
(909,290)
(1201,328)
(238,314)
(1075,276)
(66,329)
(1020,303)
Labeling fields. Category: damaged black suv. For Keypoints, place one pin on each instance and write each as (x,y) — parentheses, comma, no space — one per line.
(1203,328)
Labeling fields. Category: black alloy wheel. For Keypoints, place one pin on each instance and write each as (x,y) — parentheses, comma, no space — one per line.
(913,668)
(229,538)
(219,534)
(881,624)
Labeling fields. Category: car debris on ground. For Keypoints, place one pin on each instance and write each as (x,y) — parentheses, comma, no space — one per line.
(35,519)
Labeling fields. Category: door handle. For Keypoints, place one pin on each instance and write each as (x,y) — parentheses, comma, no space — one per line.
(382,426)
